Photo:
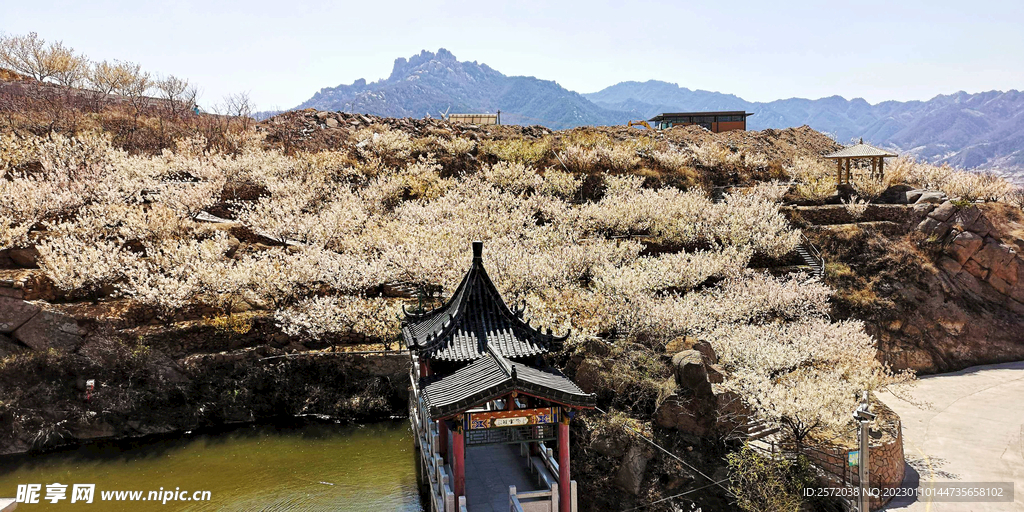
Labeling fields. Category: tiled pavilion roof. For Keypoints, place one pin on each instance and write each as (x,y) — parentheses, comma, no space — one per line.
(493,376)
(860,150)
(474,319)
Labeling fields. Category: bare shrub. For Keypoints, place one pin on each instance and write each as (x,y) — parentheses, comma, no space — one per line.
(522,151)
(675,161)
(855,207)
(559,184)
(580,159)
(456,145)
(618,158)
(814,178)
(383,143)
(1016,197)
(867,186)
(512,177)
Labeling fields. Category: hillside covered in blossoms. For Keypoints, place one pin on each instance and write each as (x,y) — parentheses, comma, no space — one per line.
(192,273)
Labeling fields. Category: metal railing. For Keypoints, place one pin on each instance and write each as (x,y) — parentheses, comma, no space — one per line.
(815,254)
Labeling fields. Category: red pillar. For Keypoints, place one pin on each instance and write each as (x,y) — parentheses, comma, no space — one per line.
(442,436)
(564,485)
(459,460)
(424,367)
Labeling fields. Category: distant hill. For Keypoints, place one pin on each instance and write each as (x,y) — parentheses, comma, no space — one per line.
(983,130)
(968,130)
(431,83)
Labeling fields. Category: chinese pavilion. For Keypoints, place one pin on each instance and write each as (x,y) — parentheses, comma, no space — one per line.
(479,377)
(849,157)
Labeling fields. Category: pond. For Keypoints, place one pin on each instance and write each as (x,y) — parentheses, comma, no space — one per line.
(308,466)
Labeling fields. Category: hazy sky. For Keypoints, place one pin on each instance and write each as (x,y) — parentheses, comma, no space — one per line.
(284,51)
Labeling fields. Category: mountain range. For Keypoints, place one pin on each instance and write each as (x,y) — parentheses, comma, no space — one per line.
(981,130)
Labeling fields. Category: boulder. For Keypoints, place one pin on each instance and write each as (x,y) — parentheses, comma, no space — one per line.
(981,226)
(331,122)
(964,245)
(922,209)
(731,414)
(50,330)
(932,196)
(716,373)
(631,471)
(943,212)
(913,195)
(965,217)
(1008,271)
(690,372)
(14,313)
(1017,292)
(589,375)
(24,257)
(705,349)
(999,283)
(684,415)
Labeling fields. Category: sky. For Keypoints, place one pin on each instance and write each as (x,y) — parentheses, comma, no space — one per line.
(281,52)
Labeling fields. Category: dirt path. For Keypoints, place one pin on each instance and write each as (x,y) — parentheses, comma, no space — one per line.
(971,430)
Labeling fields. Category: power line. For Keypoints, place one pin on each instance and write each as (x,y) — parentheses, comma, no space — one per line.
(676,495)
(670,454)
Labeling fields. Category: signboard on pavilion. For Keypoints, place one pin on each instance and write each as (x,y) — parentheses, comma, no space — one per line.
(518,418)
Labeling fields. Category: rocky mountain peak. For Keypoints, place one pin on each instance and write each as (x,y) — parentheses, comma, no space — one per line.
(425,60)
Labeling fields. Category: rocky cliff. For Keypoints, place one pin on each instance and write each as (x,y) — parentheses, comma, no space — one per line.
(936,284)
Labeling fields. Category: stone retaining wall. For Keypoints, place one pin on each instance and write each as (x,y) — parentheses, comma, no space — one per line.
(886,459)
(839,214)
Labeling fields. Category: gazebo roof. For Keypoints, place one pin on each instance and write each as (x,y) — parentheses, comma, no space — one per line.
(474,319)
(860,150)
(493,376)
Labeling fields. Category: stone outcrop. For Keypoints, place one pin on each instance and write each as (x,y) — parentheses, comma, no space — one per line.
(969,308)
(608,445)
(37,329)
(50,330)
(695,409)
(9,347)
(14,313)
(631,472)
(975,258)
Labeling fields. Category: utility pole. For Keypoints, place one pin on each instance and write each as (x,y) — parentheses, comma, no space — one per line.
(863,417)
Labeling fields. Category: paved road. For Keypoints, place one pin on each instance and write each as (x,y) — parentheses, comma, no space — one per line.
(971,429)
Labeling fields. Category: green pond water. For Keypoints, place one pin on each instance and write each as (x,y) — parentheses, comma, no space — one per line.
(313,466)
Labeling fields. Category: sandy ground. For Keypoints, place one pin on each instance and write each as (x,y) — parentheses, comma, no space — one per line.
(965,426)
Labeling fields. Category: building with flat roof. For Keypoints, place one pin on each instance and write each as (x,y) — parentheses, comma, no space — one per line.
(714,121)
